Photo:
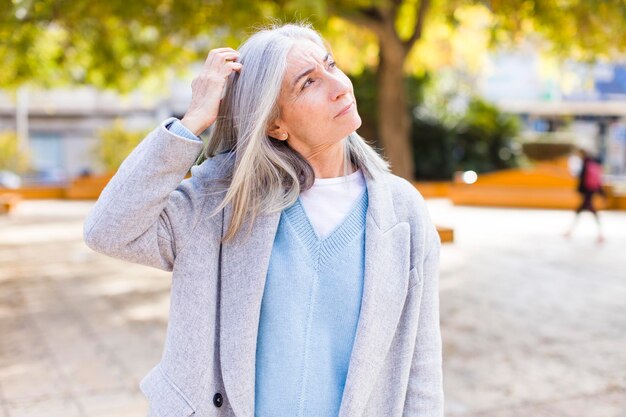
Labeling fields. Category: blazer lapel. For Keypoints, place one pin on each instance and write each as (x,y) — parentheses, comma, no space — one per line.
(387,252)
(244,269)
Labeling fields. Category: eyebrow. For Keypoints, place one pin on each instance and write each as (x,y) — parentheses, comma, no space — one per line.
(308,71)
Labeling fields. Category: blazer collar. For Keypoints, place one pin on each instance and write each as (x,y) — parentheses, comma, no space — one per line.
(387,245)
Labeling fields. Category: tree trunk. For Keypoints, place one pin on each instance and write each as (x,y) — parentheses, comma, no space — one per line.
(394,121)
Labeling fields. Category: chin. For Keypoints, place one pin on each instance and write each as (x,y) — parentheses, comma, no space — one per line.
(354,120)
(348,125)
(348,130)
(355,123)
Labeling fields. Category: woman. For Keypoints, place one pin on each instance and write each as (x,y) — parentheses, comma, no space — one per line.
(589,183)
(305,275)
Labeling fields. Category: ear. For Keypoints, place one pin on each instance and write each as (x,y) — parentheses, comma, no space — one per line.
(276,131)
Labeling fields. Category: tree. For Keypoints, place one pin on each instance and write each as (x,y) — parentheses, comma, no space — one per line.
(119,43)
(115,44)
(395,121)
(582,29)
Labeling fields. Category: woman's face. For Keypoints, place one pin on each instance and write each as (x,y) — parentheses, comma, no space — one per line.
(313,96)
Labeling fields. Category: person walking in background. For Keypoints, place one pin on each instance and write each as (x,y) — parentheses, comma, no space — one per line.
(589,183)
(304,273)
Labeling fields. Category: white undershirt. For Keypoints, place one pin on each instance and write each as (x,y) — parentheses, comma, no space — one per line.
(329,201)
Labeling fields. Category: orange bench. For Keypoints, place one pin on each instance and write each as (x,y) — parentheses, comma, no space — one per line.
(8,201)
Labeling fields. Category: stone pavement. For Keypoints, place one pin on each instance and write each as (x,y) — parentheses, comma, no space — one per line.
(532,324)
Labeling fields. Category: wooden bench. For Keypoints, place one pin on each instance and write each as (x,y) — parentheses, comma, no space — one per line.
(88,187)
(446,234)
(547,185)
(8,201)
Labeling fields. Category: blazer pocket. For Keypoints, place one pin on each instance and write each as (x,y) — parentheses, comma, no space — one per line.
(414,277)
(164,398)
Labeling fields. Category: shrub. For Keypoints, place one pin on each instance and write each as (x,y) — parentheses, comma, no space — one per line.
(445,139)
(12,158)
(116,143)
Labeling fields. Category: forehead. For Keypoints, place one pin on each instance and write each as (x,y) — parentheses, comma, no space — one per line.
(302,55)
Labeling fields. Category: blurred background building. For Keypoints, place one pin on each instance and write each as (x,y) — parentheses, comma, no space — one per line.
(580,103)
(576,103)
(58,127)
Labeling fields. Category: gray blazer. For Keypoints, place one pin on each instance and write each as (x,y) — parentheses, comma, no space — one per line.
(150,214)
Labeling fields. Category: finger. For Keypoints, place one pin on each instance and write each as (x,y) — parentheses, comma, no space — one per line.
(231,67)
(218,62)
(219,50)
(236,66)
(214,52)
(226,48)
(220,59)
(225,57)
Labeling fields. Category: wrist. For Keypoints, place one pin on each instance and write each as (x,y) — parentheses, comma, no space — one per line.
(195,125)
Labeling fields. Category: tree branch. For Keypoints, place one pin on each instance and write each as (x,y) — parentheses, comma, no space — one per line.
(369,17)
(419,25)
(395,4)
(371,13)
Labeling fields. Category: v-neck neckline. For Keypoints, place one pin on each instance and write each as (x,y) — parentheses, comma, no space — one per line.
(324,249)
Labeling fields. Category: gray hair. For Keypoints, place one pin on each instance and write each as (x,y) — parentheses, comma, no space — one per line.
(268,175)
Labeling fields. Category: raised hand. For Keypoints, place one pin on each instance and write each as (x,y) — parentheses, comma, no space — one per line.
(207,89)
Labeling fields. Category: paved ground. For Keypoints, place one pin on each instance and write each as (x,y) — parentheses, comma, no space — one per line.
(533,324)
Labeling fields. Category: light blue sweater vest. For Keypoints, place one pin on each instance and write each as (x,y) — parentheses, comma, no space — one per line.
(309,314)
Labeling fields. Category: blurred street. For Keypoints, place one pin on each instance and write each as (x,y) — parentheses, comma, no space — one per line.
(533,324)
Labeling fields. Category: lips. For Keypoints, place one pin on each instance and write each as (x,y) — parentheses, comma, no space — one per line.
(345,109)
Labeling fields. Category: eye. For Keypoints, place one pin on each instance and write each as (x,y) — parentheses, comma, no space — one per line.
(331,65)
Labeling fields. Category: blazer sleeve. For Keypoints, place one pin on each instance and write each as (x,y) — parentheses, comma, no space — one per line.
(146,209)
(425,389)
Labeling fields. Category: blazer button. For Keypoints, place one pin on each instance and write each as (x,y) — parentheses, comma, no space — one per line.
(218,400)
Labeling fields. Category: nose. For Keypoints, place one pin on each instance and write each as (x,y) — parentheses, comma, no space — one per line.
(341,86)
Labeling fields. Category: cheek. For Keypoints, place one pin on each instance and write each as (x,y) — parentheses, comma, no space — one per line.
(311,123)
(310,111)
